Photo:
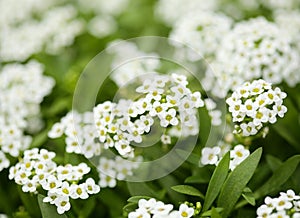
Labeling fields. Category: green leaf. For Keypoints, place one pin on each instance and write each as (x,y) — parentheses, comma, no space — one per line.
(215,213)
(145,189)
(192,158)
(130,207)
(249,196)
(273,162)
(237,181)
(135,199)
(48,210)
(188,190)
(30,202)
(196,179)
(209,212)
(287,127)
(216,181)
(279,177)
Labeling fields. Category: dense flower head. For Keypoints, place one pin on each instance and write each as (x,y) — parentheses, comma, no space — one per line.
(22,89)
(253,49)
(37,169)
(152,208)
(165,97)
(201,32)
(213,155)
(111,170)
(129,62)
(254,105)
(286,205)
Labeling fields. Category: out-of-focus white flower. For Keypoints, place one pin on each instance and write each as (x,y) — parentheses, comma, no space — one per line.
(171,10)
(202,32)
(253,49)
(56,28)
(102,26)
(130,62)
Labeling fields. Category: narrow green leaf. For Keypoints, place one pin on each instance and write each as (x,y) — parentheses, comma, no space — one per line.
(48,210)
(287,127)
(196,179)
(279,177)
(135,199)
(237,181)
(30,202)
(188,190)
(273,162)
(130,207)
(216,181)
(209,212)
(249,196)
(215,213)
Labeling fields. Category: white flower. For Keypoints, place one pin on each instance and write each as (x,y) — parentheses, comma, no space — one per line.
(4,162)
(30,186)
(165,139)
(107,181)
(56,131)
(52,183)
(263,211)
(91,186)
(210,155)
(185,211)
(282,203)
(78,191)
(238,155)
(62,203)
(139,213)
(161,209)
(290,194)
(168,118)
(148,205)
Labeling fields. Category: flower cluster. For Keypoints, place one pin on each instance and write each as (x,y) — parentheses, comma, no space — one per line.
(38,27)
(285,206)
(37,169)
(253,49)
(213,155)
(200,31)
(170,12)
(157,209)
(117,125)
(80,132)
(104,22)
(111,170)
(164,97)
(255,104)
(22,89)
(289,21)
(129,62)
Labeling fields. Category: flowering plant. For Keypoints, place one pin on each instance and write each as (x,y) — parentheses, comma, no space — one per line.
(200,121)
